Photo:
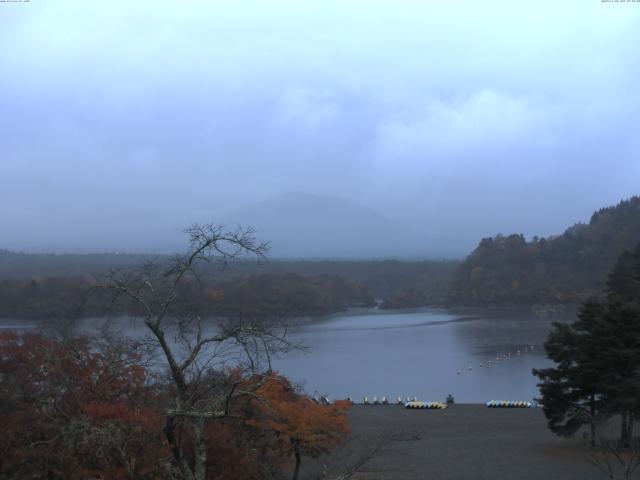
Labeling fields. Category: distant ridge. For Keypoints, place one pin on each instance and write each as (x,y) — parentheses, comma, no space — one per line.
(304,225)
(25,265)
(561,269)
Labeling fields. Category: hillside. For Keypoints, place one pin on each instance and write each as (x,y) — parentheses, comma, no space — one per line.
(563,269)
(303,225)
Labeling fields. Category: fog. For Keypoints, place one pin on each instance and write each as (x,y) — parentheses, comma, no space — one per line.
(434,124)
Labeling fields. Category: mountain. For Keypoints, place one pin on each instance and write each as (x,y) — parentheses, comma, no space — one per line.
(562,269)
(314,226)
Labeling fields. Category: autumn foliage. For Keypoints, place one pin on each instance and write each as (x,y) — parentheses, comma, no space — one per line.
(75,410)
(300,425)
(81,409)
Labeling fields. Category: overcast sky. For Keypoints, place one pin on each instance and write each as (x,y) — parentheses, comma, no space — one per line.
(120,120)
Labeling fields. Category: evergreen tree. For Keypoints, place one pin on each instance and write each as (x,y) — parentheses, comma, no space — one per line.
(619,329)
(597,372)
(572,391)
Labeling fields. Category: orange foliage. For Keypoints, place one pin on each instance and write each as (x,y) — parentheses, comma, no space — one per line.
(75,410)
(301,425)
(72,411)
(230,456)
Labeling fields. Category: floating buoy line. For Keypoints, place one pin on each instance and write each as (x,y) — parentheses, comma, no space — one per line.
(414,403)
(500,357)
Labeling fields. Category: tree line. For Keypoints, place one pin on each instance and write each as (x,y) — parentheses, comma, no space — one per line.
(565,269)
(400,284)
(290,294)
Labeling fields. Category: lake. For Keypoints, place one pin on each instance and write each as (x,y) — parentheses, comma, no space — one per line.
(426,353)
(476,355)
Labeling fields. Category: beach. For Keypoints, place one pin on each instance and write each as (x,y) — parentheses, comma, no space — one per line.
(464,441)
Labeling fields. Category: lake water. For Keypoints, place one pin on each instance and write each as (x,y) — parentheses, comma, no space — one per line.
(427,353)
(424,353)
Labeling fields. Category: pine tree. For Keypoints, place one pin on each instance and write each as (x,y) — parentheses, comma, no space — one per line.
(619,329)
(597,372)
(572,391)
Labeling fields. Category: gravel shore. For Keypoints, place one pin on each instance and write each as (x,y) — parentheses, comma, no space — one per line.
(461,442)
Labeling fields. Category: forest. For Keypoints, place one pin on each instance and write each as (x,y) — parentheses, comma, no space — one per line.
(286,294)
(564,269)
(39,286)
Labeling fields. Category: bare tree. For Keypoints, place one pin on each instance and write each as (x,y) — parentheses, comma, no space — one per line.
(357,452)
(613,457)
(164,298)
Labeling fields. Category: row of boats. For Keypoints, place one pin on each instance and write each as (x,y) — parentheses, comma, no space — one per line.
(426,405)
(384,401)
(418,404)
(508,404)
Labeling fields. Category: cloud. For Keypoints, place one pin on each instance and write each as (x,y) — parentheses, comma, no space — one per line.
(463,132)
(119,113)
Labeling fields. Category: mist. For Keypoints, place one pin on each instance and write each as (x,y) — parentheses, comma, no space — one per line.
(124,122)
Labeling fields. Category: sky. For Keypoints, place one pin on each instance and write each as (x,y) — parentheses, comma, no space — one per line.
(123,122)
